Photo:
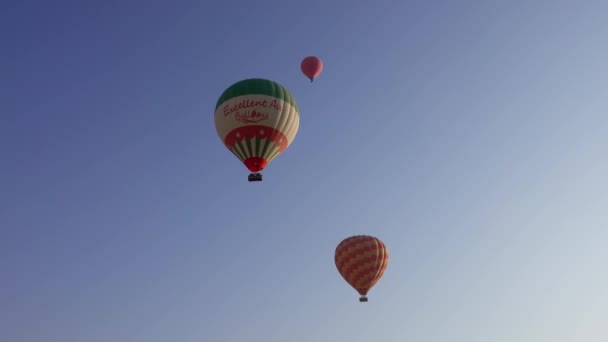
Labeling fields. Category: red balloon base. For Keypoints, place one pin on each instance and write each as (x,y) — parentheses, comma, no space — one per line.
(255,164)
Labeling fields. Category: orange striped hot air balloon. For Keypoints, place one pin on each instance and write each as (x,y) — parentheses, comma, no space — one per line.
(361,260)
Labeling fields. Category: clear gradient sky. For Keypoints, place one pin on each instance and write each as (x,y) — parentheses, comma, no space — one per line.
(470,136)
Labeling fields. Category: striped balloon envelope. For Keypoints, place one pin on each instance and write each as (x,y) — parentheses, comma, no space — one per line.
(361,260)
(256,119)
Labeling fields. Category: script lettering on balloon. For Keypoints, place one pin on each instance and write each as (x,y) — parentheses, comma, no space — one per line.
(250,116)
(244,110)
(275,105)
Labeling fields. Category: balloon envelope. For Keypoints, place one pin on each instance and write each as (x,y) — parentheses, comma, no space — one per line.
(361,260)
(311,67)
(256,119)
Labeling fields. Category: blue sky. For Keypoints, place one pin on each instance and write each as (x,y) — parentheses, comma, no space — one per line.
(470,137)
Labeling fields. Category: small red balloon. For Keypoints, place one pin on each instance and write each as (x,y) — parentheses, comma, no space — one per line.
(311,67)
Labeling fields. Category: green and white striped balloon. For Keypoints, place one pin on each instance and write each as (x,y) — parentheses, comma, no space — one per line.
(256,119)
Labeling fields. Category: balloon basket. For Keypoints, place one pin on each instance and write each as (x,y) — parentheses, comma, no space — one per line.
(255,177)
(363,299)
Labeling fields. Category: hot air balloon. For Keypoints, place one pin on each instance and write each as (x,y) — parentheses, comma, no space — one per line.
(311,67)
(256,119)
(361,260)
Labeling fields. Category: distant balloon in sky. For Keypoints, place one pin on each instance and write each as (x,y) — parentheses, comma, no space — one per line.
(311,67)
(361,260)
(256,119)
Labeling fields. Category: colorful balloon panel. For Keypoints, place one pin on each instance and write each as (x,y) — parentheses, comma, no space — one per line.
(256,119)
(311,67)
(361,260)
